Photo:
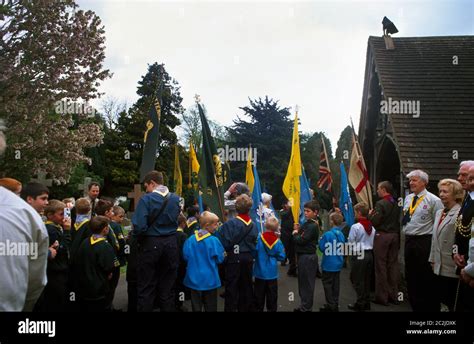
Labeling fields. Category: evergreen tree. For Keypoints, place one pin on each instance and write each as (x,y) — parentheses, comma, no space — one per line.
(269,131)
(124,143)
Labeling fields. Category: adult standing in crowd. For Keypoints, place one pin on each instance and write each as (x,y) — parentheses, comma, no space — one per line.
(419,211)
(23,276)
(444,268)
(464,222)
(155,222)
(467,273)
(385,217)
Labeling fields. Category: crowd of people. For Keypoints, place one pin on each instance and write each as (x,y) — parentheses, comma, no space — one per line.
(174,254)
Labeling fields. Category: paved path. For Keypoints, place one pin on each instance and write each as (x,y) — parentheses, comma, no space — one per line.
(288,298)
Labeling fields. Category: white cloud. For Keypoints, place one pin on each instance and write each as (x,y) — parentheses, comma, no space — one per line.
(306,53)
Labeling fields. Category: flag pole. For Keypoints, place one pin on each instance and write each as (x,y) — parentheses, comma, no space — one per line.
(359,155)
(219,195)
(327,161)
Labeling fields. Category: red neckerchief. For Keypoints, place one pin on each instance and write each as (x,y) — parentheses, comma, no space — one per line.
(367,225)
(269,238)
(245,217)
(389,198)
(443,215)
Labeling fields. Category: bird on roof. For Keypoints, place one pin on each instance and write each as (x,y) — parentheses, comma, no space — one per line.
(388,27)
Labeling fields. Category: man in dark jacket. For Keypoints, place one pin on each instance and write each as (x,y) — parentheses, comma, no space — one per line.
(386,220)
(154,224)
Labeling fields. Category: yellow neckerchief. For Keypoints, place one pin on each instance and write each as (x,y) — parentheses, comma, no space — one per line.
(412,209)
(79,225)
(241,219)
(117,245)
(95,241)
(54,224)
(179,230)
(201,237)
(191,223)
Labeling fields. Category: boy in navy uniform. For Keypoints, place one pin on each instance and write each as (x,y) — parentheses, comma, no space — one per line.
(306,240)
(270,251)
(80,228)
(239,237)
(105,208)
(98,260)
(193,220)
(204,252)
(55,293)
(154,224)
(116,224)
(179,290)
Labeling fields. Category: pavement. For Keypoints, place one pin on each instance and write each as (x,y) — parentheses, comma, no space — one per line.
(288,297)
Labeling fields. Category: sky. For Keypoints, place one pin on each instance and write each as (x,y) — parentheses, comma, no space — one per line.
(306,53)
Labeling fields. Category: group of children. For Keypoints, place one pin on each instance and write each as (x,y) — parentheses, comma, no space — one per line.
(84,257)
(242,251)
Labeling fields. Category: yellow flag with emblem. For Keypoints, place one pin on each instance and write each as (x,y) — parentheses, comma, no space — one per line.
(249,177)
(178,178)
(291,185)
(193,167)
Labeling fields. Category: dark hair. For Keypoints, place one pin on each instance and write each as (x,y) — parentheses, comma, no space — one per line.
(98,223)
(192,211)
(181,219)
(154,176)
(93,184)
(34,190)
(103,206)
(387,186)
(313,205)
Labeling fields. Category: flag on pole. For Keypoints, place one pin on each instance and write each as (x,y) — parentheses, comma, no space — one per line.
(358,175)
(291,185)
(150,139)
(177,176)
(210,173)
(193,168)
(325,178)
(345,201)
(249,177)
(256,212)
(305,194)
(227,176)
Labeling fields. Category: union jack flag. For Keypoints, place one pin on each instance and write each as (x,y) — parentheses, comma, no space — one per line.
(325,178)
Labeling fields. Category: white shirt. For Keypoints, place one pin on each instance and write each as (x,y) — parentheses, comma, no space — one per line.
(358,234)
(23,276)
(422,220)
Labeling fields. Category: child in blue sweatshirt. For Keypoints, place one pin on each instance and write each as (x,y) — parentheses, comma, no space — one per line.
(333,259)
(203,252)
(270,250)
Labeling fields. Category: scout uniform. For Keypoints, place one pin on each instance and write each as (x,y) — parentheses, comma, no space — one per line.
(418,220)
(270,251)
(98,260)
(203,252)
(306,241)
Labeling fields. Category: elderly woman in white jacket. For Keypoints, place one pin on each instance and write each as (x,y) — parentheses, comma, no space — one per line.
(451,194)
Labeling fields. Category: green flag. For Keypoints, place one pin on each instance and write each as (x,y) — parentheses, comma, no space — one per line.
(211,175)
(150,139)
